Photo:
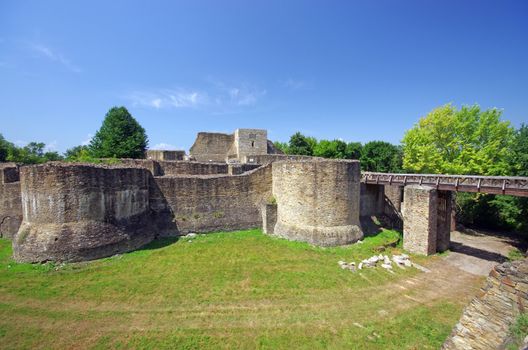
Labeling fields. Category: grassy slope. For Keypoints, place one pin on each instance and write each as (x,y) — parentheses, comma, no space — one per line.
(225,290)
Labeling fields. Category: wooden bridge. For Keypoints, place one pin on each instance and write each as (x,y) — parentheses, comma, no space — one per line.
(511,185)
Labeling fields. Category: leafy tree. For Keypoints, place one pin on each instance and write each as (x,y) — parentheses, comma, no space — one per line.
(301,145)
(381,156)
(75,153)
(518,157)
(353,150)
(330,149)
(120,136)
(282,146)
(465,141)
(32,153)
(5,147)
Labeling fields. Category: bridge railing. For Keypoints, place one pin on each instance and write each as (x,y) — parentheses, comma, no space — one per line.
(511,185)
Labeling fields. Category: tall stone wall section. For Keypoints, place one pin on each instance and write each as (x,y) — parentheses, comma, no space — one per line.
(318,201)
(81,212)
(211,147)
(10,200)
(210,203)
(485,322)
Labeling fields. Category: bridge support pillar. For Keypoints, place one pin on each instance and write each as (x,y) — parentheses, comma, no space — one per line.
(420,211)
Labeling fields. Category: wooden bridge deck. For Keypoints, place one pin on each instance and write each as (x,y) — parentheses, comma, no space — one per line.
(511,185)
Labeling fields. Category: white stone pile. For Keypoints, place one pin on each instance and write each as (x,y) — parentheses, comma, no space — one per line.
(402,261)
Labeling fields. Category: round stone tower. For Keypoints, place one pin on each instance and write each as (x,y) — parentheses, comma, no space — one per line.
(74,212)
(318,201)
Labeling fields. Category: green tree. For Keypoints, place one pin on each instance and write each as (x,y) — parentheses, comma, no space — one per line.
(330,149)
(282,146)
(353,150)
(301,145)
(120,136)
(518,157)
(32,153)
(76,153)
(381,156)
(465,141)
(5,147)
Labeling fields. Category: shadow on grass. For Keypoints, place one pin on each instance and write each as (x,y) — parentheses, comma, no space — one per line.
(159,243)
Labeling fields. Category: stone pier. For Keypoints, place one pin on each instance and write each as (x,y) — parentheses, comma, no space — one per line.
(426,219)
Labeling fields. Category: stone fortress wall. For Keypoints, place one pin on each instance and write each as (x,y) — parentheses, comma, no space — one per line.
(10,200)
(74,212)
(82,212)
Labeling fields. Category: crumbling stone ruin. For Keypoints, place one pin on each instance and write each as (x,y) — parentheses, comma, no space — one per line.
(238,147)
(72,212)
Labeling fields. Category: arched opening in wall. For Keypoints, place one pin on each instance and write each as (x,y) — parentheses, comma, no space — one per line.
(252,143)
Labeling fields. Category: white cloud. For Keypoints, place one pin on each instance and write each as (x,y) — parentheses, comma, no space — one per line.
(54,56)
(88,139)
(245,96)
(166,98)
(165,147)
(51,146)
(216,96)
(294,84)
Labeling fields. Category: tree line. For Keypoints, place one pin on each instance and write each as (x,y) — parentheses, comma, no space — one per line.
(378,156)
(120,136)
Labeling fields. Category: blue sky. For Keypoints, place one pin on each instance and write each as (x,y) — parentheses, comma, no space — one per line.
(355,70)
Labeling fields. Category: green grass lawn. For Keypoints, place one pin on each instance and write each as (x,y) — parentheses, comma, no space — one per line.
(222,290)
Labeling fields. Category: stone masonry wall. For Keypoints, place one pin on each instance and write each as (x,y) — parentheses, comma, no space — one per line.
(212,147)
(486,320)
(74,212)
(210,203)
(318,201)
(10,200)
(250,142)
(419,219)
(372,200)
(154,154)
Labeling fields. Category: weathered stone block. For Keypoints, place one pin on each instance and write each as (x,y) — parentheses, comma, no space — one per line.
(420,219)
(269,218)
(318,201)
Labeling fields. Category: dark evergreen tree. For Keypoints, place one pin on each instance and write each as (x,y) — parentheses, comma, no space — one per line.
(120,136)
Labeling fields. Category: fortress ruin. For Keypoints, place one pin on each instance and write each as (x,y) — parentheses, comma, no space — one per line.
(72,212)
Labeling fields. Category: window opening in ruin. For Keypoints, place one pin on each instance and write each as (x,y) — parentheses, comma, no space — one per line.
(252,143)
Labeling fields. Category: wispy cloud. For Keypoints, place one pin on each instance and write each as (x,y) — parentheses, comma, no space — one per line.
(165,98)
(88,139)
(217,95)
(294,84)
(243,96)
(54,56)
(51,146)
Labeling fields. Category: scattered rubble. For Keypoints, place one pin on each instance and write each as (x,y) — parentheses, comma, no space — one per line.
(402,261)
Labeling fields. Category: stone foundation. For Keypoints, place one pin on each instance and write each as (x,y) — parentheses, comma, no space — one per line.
(486,320)
(317,201)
